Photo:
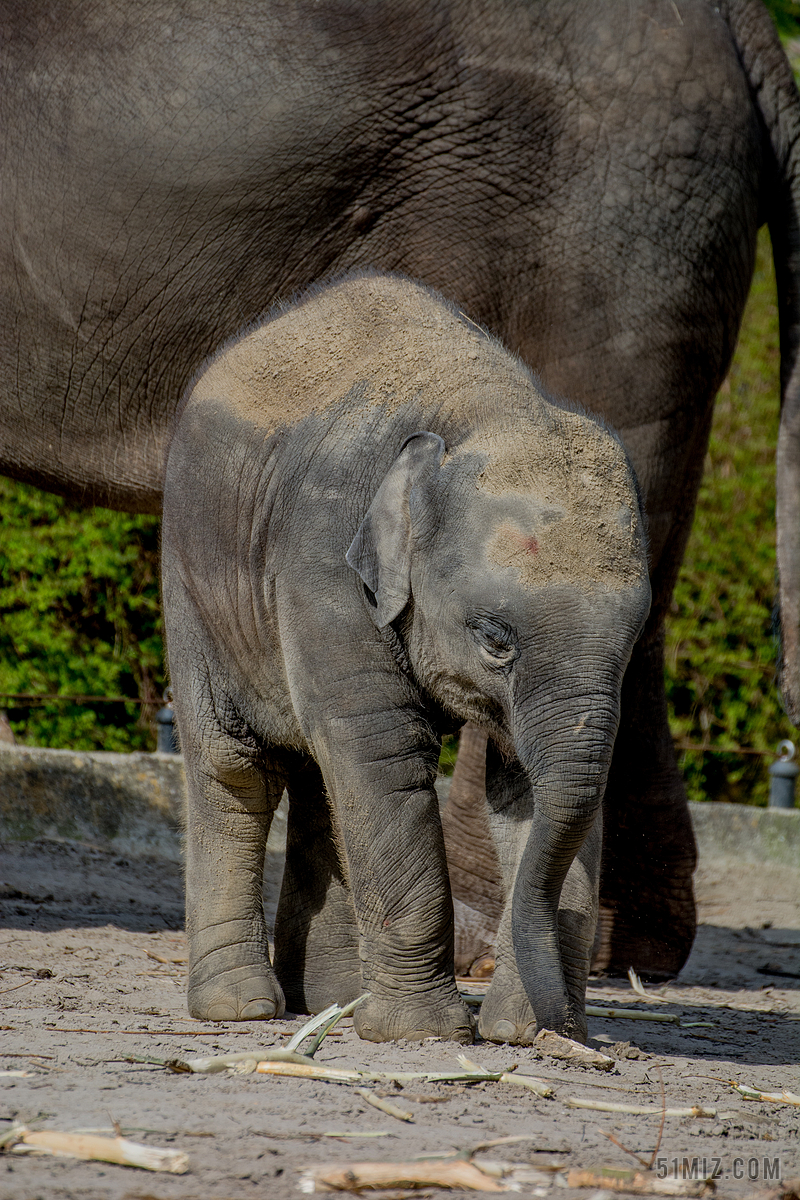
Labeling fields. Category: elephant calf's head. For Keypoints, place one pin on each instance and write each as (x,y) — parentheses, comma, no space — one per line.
(520,559)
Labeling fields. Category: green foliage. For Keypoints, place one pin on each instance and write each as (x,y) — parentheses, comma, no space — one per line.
(447,758)
(79,615)
(721,653)
(786,15)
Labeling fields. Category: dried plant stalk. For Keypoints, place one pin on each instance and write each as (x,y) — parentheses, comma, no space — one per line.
(748,1093)
(354,1177)
(640,989)
(480,1076)
(640,1110)
(319,1019)
(328,1028)
(637,1183)
(630,1014)
(530,1082)
(101,1149)
(310,1070)
(225,1062)
(527,1081)
(391,1110)
(565,1049)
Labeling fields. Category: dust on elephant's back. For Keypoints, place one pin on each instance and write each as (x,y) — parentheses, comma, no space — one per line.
(370,338)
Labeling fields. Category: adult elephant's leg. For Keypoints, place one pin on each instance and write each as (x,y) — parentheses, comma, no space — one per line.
(230,807)
(647,908)
(478,896)
(316,937)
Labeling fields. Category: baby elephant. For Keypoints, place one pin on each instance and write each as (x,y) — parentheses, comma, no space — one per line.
(377,527)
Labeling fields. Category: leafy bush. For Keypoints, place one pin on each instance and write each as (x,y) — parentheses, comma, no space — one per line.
(786,15)
(79,615)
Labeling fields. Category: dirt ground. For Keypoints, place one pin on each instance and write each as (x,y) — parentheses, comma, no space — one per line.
(92,974)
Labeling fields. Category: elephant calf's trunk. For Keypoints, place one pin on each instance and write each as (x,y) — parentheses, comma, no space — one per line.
(551,847)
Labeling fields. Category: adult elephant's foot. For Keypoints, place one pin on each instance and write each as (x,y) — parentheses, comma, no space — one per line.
(507,1015)
(411,1018)
(647,916)
(243,993)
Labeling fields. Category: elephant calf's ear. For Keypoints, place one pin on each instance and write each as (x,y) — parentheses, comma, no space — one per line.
(381,550)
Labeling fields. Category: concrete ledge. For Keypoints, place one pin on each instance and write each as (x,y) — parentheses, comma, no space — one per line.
(130,803)
(750,834)
(134,803)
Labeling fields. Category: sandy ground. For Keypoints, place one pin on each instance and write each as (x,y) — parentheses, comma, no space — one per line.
(92,960)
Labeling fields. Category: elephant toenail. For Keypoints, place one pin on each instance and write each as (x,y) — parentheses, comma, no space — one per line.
(258,1010)
(503,1031)
(220,1012)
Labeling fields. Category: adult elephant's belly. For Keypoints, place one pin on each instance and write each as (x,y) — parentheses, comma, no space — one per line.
(156,193)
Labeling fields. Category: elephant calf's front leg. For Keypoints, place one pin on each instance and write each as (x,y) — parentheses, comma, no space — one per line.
(229,811)
(389,820)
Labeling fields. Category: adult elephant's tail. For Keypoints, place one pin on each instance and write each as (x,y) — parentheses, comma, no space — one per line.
(776,97)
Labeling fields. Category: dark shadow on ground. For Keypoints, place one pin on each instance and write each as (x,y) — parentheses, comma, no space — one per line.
(48,885)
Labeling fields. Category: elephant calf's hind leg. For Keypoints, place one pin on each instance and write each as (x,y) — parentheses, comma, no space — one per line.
(230,977)
(316,936)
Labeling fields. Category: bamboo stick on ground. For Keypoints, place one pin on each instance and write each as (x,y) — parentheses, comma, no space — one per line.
(100,1149)
(637,1183)
(548,1042)
(433,1076)
(512,1076)
(538,1086)
(328,1028)
(748,1093)
(639,1110)
(391,1110)
(313,1070)
(354,1177)
(640,989)
(312,1026)
(224,1062)
(630,1014)
(310,1070)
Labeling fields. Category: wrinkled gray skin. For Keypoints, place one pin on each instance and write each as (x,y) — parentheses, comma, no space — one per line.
(586,179)
(376,525)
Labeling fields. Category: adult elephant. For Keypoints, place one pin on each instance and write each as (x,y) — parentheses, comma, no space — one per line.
(585,179)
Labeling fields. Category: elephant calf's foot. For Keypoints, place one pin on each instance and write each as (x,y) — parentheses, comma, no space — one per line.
(238,994)
(507,1016)
(380,1019)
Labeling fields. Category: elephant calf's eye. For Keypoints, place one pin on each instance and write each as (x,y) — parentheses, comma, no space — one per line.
(496,642)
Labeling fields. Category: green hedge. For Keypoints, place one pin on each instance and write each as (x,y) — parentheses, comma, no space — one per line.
(79,615)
